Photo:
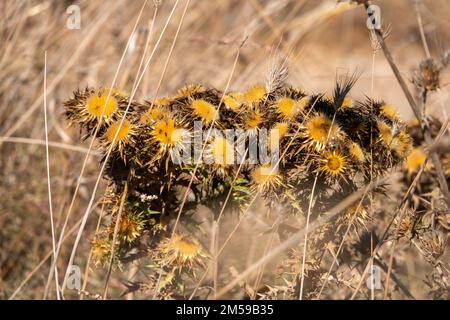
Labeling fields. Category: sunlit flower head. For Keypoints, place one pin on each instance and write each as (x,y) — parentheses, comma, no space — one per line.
(287,108)
(356,152)
(189,91)
(347,103)
(101,251)
(167,133)
(254,95)
(163,102)
(120,132)
(277,133)
(253,120)
(319,130)
(204,110)
(389,112)
(121,135)
(333,164)
(402,144)
(232,101)
(385,133)
(99,105)
(131,227)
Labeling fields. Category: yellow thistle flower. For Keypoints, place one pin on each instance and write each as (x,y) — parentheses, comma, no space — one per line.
(347,103)
(232,101)
(402,144)
(389,112)
(318,130)
(333,164)
(204,110)
(167,133)
(415,160)
(183,252)
(101,250)
(254,95)
(163,102)
(253,120)
(282,128)
(386,134)
(125,135)
(302,103)
(288,108)
(266,177)
(356,152)
(446,164)
(98,103)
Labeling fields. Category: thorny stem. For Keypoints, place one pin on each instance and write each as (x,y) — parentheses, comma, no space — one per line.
(88,262)
(383,237)
(253,199)
(116,231)
(296,237)
(305,242)
(417,112)
(310,205)
(88,209)
(180,210)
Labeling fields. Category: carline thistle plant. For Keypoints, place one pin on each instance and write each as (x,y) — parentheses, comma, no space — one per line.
(267,141)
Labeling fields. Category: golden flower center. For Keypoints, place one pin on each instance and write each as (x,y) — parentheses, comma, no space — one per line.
(122,132)
(167,133)
(98,104)
(205,110)
(319,127)
(334,163)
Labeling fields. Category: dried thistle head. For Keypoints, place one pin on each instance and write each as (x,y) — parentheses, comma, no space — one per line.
(426,78)
(101,252)
(432,244)
(357,214)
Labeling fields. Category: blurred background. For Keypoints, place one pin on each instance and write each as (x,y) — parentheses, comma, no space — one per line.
(318,39)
